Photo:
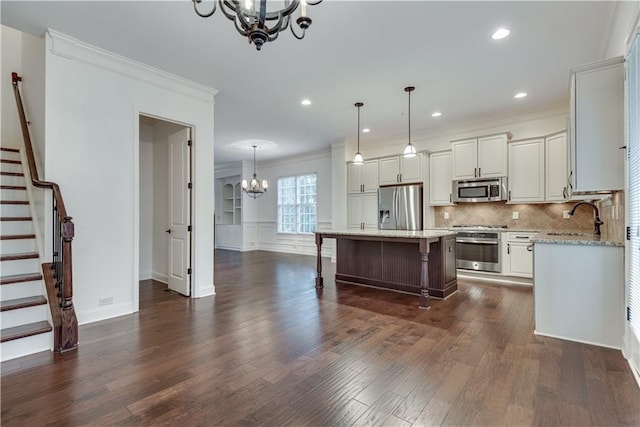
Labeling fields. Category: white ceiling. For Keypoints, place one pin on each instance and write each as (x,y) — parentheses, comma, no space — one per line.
(355,51)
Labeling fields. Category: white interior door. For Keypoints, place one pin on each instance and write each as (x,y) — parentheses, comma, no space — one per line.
(179,212)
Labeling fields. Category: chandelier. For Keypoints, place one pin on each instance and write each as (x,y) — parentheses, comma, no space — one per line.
(253,188)
(410,149)
(254,22)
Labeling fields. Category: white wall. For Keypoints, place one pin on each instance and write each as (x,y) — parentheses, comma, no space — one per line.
(260,216)
(11,62)
(93,100)
(146,201)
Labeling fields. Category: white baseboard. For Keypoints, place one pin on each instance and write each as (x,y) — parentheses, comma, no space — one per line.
(574,340)
(163,278)
(496,278)
(205,292)
(103,313)
(145,276)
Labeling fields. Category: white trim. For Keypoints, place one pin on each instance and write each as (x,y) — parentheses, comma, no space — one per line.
(574,340)
(103,313)
(495,278)
(160,277)
(74,49)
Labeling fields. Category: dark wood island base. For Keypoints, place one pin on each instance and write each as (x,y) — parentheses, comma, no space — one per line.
(417,262)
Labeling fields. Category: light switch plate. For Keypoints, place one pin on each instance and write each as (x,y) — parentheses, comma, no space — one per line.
(565,215)
(446,215)
(515,215)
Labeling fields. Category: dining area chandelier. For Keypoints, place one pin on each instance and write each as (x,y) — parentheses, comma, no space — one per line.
(253,21)
(254,188)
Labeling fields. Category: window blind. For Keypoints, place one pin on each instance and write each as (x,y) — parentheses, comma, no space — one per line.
(633,152)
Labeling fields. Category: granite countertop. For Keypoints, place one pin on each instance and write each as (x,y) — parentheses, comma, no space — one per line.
(575,238)
(431,233)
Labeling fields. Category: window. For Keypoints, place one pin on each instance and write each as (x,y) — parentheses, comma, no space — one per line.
(633,151)
(297,196)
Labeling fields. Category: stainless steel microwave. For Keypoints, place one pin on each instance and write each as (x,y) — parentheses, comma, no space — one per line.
(480,190)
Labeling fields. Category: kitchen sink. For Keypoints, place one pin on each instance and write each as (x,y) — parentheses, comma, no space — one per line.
(560,233)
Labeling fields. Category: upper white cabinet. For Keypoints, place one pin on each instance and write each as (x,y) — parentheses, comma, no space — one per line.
(556,167)
(440,178)
(400,170)
(526,171)
(597,126)
(483,157)
(363,178)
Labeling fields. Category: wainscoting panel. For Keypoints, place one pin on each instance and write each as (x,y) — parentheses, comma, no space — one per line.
(269,240)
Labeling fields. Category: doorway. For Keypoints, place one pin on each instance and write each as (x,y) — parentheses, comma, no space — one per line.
(165,204)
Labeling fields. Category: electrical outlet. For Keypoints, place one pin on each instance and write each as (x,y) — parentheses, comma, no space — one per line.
(515,215)
(446,215)
(105,301)
(565,215)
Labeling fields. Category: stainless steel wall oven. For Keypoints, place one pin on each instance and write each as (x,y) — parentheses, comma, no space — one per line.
(478,250)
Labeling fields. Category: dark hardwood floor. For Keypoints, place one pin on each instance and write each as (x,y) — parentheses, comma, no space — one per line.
(269,350)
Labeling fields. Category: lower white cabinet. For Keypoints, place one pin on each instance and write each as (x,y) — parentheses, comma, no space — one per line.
(362,211)
(578,292)
(519,259)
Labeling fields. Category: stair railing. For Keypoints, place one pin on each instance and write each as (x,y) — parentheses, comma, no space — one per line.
(58,274)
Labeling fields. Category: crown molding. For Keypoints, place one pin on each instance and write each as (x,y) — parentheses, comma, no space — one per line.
(73,49)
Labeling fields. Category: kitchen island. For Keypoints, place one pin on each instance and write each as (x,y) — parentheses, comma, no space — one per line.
(419,262)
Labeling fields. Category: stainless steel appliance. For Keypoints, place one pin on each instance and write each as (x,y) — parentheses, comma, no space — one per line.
(400,207)
(478,248)
(480,190)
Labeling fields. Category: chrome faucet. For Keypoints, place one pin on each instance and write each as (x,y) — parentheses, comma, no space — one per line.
(597,222)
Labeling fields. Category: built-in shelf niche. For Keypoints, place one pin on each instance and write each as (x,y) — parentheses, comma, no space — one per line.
(231,203)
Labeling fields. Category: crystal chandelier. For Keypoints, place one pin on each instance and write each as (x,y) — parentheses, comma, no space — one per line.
(254,22)
(410,149)
(357,158)
(253,188)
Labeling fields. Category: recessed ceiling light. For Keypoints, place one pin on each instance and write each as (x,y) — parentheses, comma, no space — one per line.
(366,130)
(520,95)
(436,114)
(500,34)
(305,102)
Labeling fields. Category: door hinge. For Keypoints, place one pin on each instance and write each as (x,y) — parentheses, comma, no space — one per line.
(189,186)
(628,233)
(188,228)
(628,313)
(188,271)
(189,142)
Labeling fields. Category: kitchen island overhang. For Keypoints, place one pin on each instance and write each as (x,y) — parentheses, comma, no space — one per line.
(419,262)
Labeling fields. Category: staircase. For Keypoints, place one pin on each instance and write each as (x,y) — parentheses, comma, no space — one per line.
(24,311)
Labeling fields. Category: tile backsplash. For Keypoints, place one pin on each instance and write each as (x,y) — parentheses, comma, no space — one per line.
(543,216)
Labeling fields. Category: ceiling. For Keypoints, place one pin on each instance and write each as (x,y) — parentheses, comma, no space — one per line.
(355,51)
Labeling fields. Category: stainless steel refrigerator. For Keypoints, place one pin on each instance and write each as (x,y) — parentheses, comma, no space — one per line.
(400,207)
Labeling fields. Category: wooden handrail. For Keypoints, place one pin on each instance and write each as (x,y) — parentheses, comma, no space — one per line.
(33,170)
(59,283)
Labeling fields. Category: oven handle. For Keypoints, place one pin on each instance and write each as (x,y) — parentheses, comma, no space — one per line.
(479,242)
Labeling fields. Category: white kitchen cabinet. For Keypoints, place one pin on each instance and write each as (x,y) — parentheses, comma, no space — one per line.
(362,211)
(484,157)
(440,178)
(519,262)
(526,171)
(363,178)
(597,126)
(400,170)
(556,167)
(578,292)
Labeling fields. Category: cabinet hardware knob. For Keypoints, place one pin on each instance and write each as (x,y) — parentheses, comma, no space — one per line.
(509,195)
(508,249)
(479,172)
(475,172)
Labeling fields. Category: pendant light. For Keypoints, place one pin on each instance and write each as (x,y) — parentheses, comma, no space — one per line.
(357,158)
(410,149)
(253,188)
